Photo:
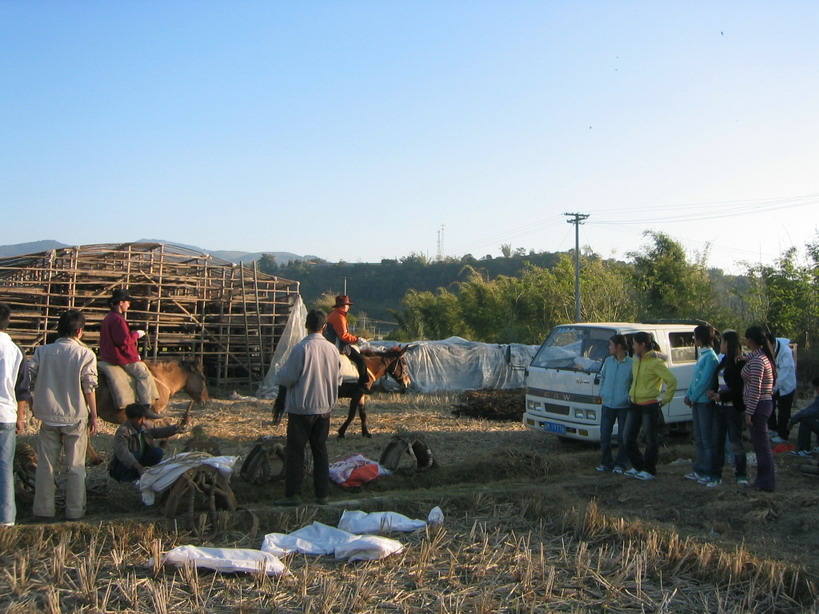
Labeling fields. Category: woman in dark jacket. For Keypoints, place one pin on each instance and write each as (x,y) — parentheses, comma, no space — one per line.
(729,416)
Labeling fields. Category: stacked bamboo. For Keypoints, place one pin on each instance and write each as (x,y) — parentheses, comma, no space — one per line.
(228,316)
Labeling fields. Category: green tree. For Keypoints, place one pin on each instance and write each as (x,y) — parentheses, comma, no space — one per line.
(669,286)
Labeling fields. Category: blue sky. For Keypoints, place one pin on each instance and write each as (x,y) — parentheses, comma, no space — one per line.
(357,130)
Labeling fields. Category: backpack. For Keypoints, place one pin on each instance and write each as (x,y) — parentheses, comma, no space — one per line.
(407,443)
(264,463)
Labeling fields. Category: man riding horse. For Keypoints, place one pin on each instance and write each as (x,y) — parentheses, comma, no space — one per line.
(119,352)
(336,333)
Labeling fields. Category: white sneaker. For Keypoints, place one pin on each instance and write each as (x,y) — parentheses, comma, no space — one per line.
(6,524)
(693,476)
(631,472)
(617,470)
(601,468)
(803,453)
(713,483)
(643,475)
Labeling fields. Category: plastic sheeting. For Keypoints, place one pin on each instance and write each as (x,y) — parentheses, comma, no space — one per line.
(458,364)
(321,539)
(294,331)
(226,560)
(386,522)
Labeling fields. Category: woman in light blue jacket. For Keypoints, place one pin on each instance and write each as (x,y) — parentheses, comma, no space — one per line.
(703,380)
(615,381)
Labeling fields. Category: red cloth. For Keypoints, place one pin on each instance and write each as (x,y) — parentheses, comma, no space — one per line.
(118,345)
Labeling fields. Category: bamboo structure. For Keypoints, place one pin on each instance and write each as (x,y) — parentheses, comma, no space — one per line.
(228,316)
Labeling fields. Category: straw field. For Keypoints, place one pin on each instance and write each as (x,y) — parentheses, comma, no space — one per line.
(530,527)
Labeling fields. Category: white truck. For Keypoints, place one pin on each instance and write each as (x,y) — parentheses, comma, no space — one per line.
(563,379)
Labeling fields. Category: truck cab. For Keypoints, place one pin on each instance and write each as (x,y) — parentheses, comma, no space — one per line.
(563,379)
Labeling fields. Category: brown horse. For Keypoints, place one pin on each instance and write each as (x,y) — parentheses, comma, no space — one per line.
(389,362)
(171,376)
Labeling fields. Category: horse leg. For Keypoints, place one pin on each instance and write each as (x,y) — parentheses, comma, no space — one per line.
(362,413)
(350,415)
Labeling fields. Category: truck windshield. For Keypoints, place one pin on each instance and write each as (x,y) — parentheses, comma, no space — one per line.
(574,348)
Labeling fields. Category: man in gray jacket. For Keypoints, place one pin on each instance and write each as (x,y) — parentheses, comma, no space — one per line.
(312,375)
(64,375)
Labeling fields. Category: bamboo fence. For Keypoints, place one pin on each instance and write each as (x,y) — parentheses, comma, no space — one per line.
(228,316)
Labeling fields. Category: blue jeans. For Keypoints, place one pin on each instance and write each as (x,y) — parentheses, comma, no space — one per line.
(728,421)
(8,441)
(607,420)
(702,414)
(647,416)
(806,428)
(765,476)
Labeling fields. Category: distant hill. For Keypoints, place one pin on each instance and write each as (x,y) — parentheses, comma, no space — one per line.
(281,257)
(34,247)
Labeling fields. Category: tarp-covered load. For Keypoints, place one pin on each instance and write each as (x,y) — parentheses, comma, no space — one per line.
(458,364)
(434,366)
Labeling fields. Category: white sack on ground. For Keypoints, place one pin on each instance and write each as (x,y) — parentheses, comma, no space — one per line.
(319,538)
(160,477)
(458,364)
(226,560)
(385,522)
(294,331)
(368,548)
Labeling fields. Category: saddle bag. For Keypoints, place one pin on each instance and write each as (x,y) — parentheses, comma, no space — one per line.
(264,463)
(412,445)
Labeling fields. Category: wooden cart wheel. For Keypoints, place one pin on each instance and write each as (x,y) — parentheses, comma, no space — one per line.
(201,487)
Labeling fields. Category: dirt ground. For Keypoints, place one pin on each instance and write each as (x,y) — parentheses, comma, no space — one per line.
(780,525)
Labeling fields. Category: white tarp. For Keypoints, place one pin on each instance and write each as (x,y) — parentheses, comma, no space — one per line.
(458,364)
(226,560)
(294,331)
(356,521)
(320,539)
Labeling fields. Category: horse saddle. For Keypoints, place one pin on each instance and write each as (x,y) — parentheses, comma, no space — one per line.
(349,372)
(121,385)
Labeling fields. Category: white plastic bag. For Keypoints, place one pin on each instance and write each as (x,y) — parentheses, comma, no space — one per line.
(226,560)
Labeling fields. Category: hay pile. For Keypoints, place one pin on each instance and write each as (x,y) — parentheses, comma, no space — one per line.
(492,404)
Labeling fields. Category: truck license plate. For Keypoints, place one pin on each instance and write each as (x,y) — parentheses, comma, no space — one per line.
(553,427)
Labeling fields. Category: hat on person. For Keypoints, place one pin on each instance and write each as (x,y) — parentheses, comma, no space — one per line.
(342,299)
(119,295)
(140,410)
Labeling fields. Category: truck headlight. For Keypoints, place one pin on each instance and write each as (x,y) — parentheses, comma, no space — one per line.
(591,414)
(578,413)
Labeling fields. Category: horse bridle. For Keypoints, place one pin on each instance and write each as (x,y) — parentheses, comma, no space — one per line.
(393,366)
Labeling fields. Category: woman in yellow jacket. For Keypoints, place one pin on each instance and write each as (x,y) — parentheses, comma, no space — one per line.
(649,373)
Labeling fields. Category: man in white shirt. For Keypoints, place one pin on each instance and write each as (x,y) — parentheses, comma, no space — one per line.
(14,394)
(784,389)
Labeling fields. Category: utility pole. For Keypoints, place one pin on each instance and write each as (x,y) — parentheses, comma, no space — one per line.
(345,285)
(576,219)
